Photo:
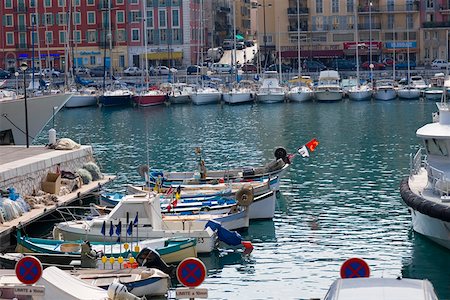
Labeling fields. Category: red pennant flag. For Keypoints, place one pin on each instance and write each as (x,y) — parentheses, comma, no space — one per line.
(312,144)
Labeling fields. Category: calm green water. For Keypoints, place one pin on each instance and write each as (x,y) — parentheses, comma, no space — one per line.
(342,202)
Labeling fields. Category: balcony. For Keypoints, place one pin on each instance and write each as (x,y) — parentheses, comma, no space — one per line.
(436,24)
(444,10)
(21,9)
(22,46)
(401,8)
(103,5)
(21,27)
(292,11)
(366,26)
(294,28)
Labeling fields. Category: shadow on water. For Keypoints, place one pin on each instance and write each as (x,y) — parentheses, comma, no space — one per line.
(427,261)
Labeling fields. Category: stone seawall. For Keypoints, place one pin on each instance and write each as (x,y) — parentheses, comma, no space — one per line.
(27,174)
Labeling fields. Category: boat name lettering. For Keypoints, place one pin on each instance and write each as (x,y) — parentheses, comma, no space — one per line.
(29,290)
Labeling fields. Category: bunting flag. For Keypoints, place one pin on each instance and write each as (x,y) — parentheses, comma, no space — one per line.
(303,151)
(169,191)
(175,202)
(136,219)
(103,231)
(130,228)
(312,144)
(119,228)
(111,229)
(169,208)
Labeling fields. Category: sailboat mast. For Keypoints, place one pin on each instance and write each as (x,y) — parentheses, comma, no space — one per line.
(299,58)
(280,75)
(200,48)
(407,48)
(144,11)
(233,60)
(110,39)
(357,43)
(38,36)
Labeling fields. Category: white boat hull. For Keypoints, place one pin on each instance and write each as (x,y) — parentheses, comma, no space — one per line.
(385,94)
(328,96)
(408,93)
(236,98)
(433,95)
(434,229)
(81,101)
(300,96)
(205,98)
(263,209)
(362,95)
(270,98)
(179,99)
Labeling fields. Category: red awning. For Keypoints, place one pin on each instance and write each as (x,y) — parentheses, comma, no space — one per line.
(313,54)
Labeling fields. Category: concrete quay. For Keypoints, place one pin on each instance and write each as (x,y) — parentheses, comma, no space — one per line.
(26,168)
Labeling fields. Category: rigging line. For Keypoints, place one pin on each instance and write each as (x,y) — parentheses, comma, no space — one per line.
(12,123)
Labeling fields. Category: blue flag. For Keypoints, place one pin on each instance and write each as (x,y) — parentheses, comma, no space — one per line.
(119,228)
(103,231)
(136,219)
(130,228)
(111,229)
(118,239)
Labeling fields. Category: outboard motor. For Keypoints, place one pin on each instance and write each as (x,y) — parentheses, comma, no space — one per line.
(151,259)
(117,291)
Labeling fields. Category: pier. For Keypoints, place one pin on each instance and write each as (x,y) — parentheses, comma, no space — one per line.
(26,168)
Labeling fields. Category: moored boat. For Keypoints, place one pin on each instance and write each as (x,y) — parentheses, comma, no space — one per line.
(82,98)
(302,90)
(385,90)
(328,88)
(117,95)
(206,95)
(270,90)
(151,97)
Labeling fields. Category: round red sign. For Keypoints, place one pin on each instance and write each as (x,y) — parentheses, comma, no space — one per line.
(28,270)
(355,268)
(191,272)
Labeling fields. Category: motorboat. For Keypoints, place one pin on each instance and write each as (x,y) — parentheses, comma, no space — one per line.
(360,92)
(385,90)
(117,95)
(426,191)
(206,95)
(347,84)
(418,82)
(152,96)
(180,93)
(40,110)
(408,92)
(240,93)
(328,88)
(301,91)
(270,90)
(380,288)
(152,224)
(82,98)
(435,91)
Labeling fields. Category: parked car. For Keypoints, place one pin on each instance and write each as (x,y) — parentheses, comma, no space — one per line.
(4,74)
(276,67)
(50,72)
(376,65)
(99,71)
(133,71)
(403,65)
(342,64)
(440,64)
(221,68)
(388,61)
(249,68)
(194,69)
(163,70)
(249,43)
(313,66)
(240,45)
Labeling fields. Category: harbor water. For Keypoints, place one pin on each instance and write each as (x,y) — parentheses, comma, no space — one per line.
(341,202)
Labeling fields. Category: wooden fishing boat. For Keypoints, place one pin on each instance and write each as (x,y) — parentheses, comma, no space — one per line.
(171,250)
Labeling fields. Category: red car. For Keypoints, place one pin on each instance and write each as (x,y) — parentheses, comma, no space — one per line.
(376,65)
(249,68)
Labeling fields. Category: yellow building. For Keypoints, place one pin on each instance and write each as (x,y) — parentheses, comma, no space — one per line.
(243,23)
(327,29)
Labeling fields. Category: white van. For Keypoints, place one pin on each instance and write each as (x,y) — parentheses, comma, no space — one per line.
(221,68)
(439,64)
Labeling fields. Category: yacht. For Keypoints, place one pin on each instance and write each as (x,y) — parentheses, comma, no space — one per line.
(180,93)
(117,95)
(385,90)
(240,93)
(40,111)
(408,92)
(270,91)
(152,96)
(82,98)
(328,88)
(426,191)
(418,82)
(360,92)
(302,90)
(206,95)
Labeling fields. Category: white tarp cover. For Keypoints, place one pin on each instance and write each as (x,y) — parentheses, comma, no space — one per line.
(62,286)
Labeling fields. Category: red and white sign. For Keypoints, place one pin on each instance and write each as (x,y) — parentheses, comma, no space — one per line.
(191,272)
(28,270)
(355,268)
(367,45)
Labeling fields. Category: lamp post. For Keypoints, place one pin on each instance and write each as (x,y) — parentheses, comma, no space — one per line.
(24,67)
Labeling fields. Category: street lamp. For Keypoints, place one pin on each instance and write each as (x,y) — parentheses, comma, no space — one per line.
(24,67)
(264,21)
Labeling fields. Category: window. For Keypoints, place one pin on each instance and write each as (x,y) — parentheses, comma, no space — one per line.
(34,37)
(77,36)
(135,35)
(409,4)
(62,37)
(122,61)
(62,19)
(77,18)
(162,18)
(121,36)
(150,18)
(47,3)
(61,3)
(49,37)
(91,17)
(391,5)
(175,18)
(22,38)
(163,35)
(48,19)
(91,36)
(135,16)
(76,2)
(150,34)
(90,2)
(430,3)
(350,5)
(32,3)
(10,38)
(162,2)
(134,1)
(409,22)
(427,52)
(319,6)
(334,6)
(176,35)
(21,20)
(175,2)
(8,20)
(120,16)
(390,21)
(8,3)
(119,2)
(92,60)
(436,147)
